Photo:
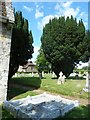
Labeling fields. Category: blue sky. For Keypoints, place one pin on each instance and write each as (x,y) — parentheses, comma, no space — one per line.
(39,13)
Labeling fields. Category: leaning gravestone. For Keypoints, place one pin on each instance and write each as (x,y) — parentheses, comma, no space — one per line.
(6,23)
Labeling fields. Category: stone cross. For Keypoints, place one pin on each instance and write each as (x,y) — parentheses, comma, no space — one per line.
(6,23)
(61,78)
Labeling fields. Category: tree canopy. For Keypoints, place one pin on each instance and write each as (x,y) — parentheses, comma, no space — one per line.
(41,63)
(65,43)
(21,44)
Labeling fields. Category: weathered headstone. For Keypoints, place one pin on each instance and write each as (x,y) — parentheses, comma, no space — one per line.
(87,85)
(6,23)
(61,78)
(53,74)
(43,74)
(32,74)
(79,75)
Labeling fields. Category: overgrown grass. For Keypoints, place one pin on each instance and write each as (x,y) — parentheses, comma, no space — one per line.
(72,87)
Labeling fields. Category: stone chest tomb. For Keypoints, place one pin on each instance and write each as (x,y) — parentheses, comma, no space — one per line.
(43,106)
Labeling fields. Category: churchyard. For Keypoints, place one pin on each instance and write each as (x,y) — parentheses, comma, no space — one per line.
(21,87)
(31,95)
(72,87)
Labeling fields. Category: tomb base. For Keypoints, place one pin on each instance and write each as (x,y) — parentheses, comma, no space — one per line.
(43,106)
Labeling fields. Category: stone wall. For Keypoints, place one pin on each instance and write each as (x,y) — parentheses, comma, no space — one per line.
(5,42)
(6,23)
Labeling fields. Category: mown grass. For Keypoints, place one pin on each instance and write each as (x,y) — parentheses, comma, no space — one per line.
(72,87)
(77,113)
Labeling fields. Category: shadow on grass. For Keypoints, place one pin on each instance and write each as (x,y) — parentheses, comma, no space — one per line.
(14,91)
(54,78)
(21,85)
(81,112)
(43,78)
(76,78)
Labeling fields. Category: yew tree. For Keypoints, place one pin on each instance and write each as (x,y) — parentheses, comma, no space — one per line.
(65,43)
(21,44)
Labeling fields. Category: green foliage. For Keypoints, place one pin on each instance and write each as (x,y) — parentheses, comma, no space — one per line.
(21,44)
(64,44)
(41,63)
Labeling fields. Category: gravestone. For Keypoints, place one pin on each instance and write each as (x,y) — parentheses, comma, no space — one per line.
(87,85)
(53,75)
(43,74)
(6,23)
(32,74)
(61,78)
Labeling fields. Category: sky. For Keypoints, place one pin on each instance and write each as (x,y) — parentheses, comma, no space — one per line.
(38,14)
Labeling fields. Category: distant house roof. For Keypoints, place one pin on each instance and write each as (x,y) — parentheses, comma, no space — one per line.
(28,64)
(30,67)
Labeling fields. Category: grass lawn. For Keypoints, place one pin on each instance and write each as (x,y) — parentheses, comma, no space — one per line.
(70,88)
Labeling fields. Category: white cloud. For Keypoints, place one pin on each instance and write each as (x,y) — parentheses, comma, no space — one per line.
(66,9)
(71,11)
(67,4)
(39,13)
(45,20)
(82,14)
(84,17)
(36,49)
(57,7)
(28,8)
